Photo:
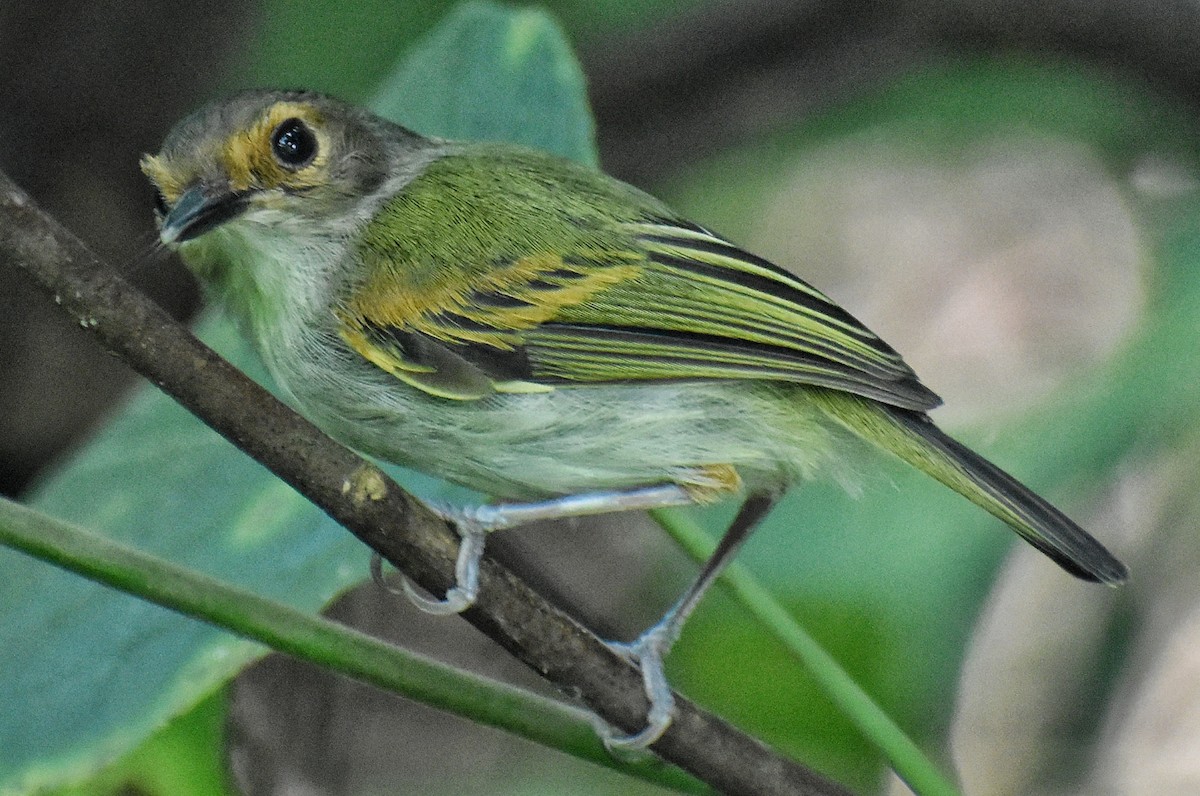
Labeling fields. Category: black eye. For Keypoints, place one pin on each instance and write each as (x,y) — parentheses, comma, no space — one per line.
(294,143)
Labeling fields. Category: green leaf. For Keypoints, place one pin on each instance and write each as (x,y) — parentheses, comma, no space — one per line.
(90,673)
(305,635)
(491,53)
(185,758)
(346,48)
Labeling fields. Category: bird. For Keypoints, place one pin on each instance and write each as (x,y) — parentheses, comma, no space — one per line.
(536,330)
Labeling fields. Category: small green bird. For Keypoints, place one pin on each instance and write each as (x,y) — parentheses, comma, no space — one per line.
(539,331)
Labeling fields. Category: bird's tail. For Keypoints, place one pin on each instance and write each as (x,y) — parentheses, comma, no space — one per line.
(913,437)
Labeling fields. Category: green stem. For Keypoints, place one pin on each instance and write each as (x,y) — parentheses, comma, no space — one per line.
(906,758)
(321,641)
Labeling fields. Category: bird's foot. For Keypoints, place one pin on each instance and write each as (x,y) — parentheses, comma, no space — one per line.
(473,524)
(647,652)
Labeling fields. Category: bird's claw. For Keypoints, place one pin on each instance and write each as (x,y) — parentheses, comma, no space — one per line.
(647,653)
(457,599)
(473,523)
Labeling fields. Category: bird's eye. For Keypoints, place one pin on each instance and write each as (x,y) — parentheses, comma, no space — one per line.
(294,144)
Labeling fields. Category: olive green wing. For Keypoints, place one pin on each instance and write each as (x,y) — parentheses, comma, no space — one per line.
(682,304)
(700,307)
(508,299)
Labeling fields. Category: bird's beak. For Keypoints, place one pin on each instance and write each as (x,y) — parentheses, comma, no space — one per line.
(200,209)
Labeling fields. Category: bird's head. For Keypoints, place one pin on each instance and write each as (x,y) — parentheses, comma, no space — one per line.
(273,158)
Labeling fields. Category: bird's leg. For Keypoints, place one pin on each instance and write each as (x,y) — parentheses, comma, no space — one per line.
(650,649)
(474,523)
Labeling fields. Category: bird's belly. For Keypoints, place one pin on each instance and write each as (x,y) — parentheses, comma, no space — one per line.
(570,440)
(583,438)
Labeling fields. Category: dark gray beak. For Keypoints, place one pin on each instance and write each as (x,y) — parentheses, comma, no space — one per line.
(199,210)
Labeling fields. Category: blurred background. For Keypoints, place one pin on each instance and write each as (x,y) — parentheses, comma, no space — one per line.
(1005,190)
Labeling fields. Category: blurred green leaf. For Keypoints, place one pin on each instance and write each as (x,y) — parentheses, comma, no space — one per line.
(348,49)
(491,54)
(313,638)
(345,49)
(185,758)
(90,673)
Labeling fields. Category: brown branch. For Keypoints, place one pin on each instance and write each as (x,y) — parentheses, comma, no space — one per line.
(372,507)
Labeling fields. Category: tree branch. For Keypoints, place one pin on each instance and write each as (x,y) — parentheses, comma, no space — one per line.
(373,507)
